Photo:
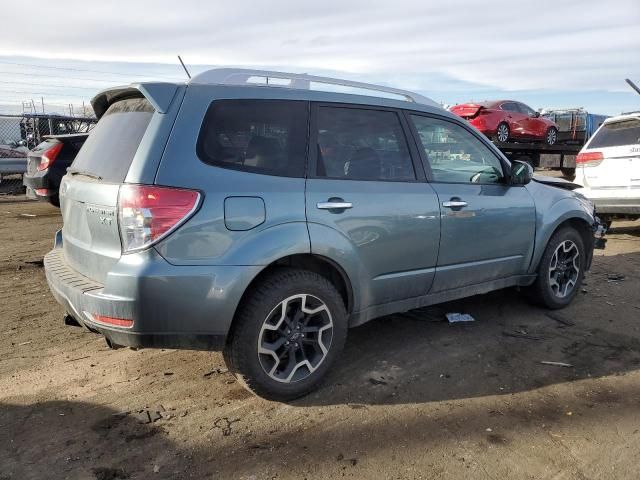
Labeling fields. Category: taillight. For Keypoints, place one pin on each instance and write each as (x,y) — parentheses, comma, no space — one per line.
(118,322)
(49,156)
(589,159)
(147,213)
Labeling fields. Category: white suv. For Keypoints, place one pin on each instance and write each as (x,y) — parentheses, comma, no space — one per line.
(608,168)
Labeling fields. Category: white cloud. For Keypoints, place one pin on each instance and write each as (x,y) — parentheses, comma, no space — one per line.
(588,44)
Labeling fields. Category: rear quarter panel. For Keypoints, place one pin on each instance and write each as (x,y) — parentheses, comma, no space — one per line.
(205,239)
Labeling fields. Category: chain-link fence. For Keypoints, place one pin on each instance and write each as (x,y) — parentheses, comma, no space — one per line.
(19,134)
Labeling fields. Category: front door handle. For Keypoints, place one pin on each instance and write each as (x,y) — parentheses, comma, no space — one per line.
(334,205)
(454,204)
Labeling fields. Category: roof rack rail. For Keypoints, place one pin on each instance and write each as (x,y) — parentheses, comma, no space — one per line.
(267,78)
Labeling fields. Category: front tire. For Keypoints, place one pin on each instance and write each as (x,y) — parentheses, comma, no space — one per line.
(287,334)
(502,133)
(551,137)
(560,271)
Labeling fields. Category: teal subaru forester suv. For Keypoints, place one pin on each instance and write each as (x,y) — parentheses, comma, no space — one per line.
(265,213)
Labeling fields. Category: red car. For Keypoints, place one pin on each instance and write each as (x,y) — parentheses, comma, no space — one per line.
(506,120)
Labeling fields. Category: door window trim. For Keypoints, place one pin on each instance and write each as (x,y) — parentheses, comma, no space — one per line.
(484,140)
(312,146)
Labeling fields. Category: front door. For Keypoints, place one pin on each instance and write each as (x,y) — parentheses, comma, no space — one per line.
(368,205)
(487,226)
(516,119)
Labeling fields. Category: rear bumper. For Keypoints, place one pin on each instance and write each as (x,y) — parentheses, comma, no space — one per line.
(48,180)
(617,206)
(37,180)
(171,306)
(13,166)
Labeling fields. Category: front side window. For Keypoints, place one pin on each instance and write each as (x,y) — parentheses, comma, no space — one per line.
(261,136)
(455,154)
(360,144)
(526,109)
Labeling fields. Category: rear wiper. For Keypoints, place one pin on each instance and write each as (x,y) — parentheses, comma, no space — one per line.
(74,171)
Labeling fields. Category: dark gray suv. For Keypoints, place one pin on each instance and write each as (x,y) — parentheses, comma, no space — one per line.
(265,213)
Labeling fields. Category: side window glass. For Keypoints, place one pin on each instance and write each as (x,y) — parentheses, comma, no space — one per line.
(359,144)
(508,107)
(455,154)
(261,136)
(525,109)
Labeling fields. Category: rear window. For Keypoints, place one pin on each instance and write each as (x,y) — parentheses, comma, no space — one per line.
(261,136)
(626,132)
(109,150)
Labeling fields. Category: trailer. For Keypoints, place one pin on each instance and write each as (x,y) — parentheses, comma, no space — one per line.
(575,125)
(540,155)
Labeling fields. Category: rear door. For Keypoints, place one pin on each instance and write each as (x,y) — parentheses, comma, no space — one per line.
(89,191)
(487,226)
(365,187)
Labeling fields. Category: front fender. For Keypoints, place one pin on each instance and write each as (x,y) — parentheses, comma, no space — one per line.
(550,218)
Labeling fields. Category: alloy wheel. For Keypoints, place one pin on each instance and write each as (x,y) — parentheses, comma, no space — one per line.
(552,136)
(503,132)
(564,269)
(295,338)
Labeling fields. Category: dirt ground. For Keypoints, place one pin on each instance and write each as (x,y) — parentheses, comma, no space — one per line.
(413,397)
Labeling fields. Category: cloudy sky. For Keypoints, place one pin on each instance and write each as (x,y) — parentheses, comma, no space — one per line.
(561,53)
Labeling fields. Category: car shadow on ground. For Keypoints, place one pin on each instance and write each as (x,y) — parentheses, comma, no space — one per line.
(418,357)
(66,439)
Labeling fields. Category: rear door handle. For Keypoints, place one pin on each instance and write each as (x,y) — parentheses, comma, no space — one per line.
(454,204)
(334,205)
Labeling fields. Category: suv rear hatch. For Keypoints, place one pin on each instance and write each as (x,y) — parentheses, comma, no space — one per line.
(611,159)
(89,191)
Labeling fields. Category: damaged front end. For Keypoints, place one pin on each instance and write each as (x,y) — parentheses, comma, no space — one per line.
(599,231)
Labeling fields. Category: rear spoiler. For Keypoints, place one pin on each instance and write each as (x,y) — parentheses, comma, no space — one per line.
(159,94)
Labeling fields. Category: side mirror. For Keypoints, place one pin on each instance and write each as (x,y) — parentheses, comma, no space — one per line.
(536,114)
(521,173)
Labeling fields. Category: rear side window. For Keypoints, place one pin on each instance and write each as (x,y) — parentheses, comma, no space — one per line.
(261,136)
(626,132)
(359,144)
(112,144)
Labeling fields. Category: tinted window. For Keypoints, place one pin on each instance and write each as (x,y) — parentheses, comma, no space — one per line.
(626,132)
(525,109)
(509,107)
(112,144)
(455,154)
(261,136)
(359,144)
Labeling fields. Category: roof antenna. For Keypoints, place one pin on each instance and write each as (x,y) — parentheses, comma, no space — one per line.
(632,85)
(185,68)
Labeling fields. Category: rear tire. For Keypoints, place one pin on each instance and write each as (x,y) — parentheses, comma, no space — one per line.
(287,334)
(560,271)
(568,172)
